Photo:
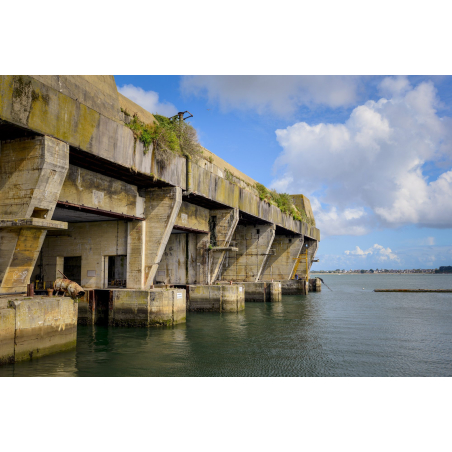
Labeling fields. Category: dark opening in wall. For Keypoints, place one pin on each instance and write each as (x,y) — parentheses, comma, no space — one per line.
(117,270)
(212,229)
(39,213)
(72,268)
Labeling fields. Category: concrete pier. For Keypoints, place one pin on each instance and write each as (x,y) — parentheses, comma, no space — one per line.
(315,285)
(34,327)
(216,298)
(263,291)
(138,308)
(294,287)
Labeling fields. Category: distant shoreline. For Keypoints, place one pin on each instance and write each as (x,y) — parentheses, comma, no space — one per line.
(342,274)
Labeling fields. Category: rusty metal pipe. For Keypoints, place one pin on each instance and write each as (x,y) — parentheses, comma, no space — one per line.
(69,287)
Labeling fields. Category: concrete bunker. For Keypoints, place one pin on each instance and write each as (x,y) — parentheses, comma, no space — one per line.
(81,197)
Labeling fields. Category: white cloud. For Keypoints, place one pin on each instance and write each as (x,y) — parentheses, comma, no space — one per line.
(149,100)
(370,170)
(394,86)
(277,94)
(382,254)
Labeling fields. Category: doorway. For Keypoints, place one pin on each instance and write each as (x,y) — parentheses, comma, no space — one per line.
(72,268)
(116,271)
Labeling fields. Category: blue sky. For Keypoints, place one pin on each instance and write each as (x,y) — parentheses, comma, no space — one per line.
(374,154)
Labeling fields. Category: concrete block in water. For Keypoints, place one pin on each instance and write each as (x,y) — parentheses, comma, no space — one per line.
(7,332)
(147,307)
(294,287)
(262,291)
(216,298)
(44,326)
(315,285)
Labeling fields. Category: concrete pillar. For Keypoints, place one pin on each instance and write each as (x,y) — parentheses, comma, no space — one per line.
(32,172)
(279,266)
(310,245)
(254,244)
(223,223)
(147,239)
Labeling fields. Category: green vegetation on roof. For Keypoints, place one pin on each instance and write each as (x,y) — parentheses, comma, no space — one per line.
(170,136)
(284,202)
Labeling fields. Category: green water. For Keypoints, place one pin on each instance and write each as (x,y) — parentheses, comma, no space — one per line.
(346,332)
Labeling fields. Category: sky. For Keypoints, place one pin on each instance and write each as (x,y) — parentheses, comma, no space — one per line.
(372,153)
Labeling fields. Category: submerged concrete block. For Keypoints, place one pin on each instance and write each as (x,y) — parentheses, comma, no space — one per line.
(294,287)
(44,326)
(262,291)
(217,298)
(167,307)
(315,285)
(147,307)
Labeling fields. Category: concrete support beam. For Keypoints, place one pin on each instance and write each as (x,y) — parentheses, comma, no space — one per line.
(32,172)
(147,241)
(223,223)
(279,266)
(254,244)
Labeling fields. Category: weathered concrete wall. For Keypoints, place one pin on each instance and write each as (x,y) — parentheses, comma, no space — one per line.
(216,298)
(34,327)
(97,92)
(95,190)
(173,266)
(301,202)
(93,241)
(31,176)
(28,102)
(7,333)
(218,166)
(147,307)
(279,266)
(221,190)
(254,244)
(193,217)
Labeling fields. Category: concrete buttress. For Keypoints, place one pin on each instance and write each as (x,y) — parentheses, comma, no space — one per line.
(32,172)
(223,223)
(279,266)
(147,239)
